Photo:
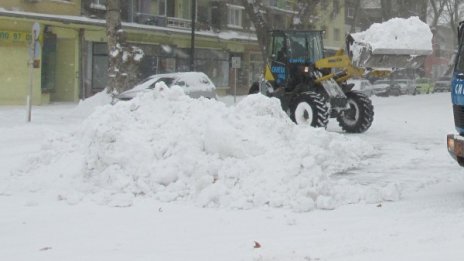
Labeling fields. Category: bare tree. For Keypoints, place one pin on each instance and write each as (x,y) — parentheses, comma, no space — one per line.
(437,8)
(452,16)
(257,10)
(304,14)
(403,8)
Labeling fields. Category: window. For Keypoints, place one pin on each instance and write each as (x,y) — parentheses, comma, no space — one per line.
(186,9)
(99,67)
(460,60)
(350,12)
(165,7)
(49,61)
(324,31)
(162,7)
(336,34)
(98,4)
(325,5)
(235,16)
(336,5)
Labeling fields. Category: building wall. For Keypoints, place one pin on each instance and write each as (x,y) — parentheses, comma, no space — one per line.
(14,69)
(67,71)
(332,20)
(14,66)
(71,7)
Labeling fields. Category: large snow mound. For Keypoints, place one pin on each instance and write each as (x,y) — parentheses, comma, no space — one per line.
(168,146)
(397,36)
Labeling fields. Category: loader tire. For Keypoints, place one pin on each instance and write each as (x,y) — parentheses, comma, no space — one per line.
(358,118)
(254,88)
(309,108)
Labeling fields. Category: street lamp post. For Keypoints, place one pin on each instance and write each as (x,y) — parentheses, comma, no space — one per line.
(192,43)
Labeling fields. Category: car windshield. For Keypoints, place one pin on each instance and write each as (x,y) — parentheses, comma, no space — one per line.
(167,80)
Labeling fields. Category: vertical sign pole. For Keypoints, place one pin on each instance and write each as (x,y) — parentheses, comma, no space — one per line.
(235,65)
(235,86)
(33,56)
(31,81)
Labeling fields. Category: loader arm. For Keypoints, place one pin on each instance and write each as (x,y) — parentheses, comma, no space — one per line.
(341,61)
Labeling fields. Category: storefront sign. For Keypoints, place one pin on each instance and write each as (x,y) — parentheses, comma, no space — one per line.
(14,37)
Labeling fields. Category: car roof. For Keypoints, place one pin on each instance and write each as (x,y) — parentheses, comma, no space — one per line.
(192,79)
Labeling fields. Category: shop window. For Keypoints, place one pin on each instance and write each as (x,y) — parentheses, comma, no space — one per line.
(148,66)
(99,67)
(48,62)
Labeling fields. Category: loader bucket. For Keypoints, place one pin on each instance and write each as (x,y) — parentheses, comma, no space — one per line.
(362,55)
(396,43)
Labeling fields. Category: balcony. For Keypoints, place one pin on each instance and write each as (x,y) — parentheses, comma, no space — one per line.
(172,22)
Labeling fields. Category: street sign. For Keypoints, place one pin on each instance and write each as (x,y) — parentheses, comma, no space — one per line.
(35,31)
(236,62)
(34,51)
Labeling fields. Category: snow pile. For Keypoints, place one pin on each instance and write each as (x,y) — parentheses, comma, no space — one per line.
(397,35)
(170,147)
(89,105)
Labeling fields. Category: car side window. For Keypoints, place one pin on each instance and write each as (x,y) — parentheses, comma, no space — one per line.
(181,83)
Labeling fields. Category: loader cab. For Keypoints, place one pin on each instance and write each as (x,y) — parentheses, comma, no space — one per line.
(457,83)
(293,49)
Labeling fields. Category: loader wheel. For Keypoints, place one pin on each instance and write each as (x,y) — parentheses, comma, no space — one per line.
(309,108)
(358,118)
(254,88)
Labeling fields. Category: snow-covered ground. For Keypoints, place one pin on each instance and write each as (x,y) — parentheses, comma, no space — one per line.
(171,178)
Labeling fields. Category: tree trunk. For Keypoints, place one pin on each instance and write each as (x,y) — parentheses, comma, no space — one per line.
(115,41)
(255,12)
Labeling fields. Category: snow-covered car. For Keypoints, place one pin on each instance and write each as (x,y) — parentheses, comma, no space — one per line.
(443,84)
(362,85)
(407,86)
(386,88)
(194,84)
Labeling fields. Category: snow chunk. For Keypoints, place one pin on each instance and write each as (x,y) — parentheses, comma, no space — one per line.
(397,35)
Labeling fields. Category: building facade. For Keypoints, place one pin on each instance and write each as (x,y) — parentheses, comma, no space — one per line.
(73,57)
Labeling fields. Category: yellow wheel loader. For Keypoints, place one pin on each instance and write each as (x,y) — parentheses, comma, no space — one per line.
(309,89)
